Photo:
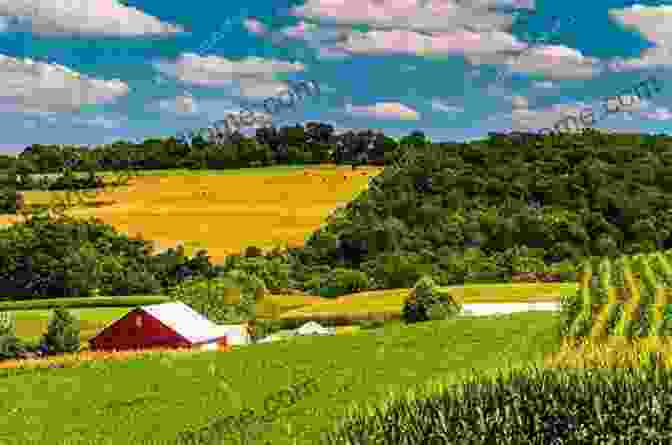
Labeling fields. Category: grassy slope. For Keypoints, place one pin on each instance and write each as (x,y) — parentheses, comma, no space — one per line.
(129,402)
(32,323)
(391,301)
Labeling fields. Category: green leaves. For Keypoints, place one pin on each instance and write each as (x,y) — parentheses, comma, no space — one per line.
(63,332)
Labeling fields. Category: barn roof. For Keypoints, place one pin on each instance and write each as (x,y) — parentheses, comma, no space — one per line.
(185,321)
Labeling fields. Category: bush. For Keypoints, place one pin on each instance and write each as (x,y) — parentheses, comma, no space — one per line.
(10,347)
(347,281)
(425,303)
(62,334)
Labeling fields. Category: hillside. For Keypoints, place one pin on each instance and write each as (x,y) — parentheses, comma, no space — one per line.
(492,206)
(477,211)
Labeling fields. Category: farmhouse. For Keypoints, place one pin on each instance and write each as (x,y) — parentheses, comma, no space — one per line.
(172,325)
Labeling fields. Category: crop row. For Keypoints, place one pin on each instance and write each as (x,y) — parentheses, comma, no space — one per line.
(628,296)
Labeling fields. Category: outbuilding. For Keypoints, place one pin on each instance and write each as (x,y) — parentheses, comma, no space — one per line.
(165,325)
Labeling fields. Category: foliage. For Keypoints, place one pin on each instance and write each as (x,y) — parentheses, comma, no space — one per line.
(215,298)
(62,334)
(425,303)
(66,257)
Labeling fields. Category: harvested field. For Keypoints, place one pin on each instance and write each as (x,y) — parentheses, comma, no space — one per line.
(208,211)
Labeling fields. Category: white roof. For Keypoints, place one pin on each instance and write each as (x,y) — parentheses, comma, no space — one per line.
(185,321)
(311,326)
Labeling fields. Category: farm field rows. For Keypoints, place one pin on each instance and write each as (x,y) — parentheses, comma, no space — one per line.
(151,400)
(205,210)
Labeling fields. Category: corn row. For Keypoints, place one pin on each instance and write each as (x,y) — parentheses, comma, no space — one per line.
(599,326)
(625,324)
(648,295)
(583,318)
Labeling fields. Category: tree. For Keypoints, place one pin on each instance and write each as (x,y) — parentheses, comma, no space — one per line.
(62,334)
(424,303)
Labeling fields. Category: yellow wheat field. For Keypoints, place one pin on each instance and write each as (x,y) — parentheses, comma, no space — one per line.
(224,213)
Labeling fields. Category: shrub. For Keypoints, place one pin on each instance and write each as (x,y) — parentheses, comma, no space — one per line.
(347,281)
(62,334)
(424,303)
(10,346)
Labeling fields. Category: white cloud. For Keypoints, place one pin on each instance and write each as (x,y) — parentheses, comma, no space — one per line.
(440,106)
(414,15)
(86,17)
(543,84)
(179,105)
(655,24)
(384,110)
(219,71)
(519,102)
(32,87)
(555,61)
(100,121)
(470,44)
(660,114)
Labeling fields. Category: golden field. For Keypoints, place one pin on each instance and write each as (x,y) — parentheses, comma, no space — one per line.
(223,211)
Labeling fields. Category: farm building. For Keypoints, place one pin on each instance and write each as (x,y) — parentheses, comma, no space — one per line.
(312,328)
(166,325)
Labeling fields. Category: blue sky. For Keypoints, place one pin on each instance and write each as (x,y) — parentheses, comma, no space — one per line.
(89,72)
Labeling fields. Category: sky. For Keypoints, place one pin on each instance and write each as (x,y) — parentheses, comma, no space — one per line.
(91,72)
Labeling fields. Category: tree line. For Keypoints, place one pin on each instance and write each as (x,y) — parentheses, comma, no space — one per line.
(457,212)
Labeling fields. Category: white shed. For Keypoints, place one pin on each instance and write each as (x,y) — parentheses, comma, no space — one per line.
(235,334)
(313,328)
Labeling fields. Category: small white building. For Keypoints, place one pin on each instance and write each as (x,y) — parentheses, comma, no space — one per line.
(313,328)
(235,334)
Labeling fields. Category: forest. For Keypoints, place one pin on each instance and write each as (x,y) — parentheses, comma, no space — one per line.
(460,212)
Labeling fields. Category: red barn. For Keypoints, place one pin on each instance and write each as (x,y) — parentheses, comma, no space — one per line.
(166,325)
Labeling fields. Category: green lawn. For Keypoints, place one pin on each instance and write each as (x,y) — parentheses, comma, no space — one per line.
(31,324)
(151,400)
(391,301)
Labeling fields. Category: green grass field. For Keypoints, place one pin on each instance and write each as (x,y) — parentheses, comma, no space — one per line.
(151,400)
(33,315)
(391,301)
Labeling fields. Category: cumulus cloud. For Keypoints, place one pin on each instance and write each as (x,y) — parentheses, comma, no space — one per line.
(415,15)
(440,106)
(100,121)
(555,61)
(217,71)
(655,24)
(467,43)
(525,119)
(518,102)
(255,26)
(384,110)
(32,87)
(659,114)
(179,105)
(546,84)
(84,17)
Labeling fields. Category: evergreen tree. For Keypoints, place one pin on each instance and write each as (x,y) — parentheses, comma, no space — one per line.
(62,334)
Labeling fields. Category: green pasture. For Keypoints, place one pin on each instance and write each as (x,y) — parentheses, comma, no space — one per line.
(391,301)
(31,324)
(151,400)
